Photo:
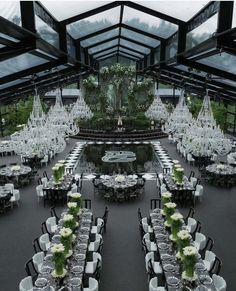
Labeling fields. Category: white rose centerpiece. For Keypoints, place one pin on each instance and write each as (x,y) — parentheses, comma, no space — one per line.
(15,168)
(190,254)
(176,223)
(120,178)
(69,221)
(66,239)
(169,209)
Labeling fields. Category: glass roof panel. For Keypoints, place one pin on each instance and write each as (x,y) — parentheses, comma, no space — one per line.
(106,56)
(1,45)
(106,52)
(72,7)
(185,11)
(234,16)
(223,61)
(11,11)
(149,23)
(139,37)
(46,32)
(6,85)
(19,63)
(202,32)
(100,37)
(130,52)
(127,56)
(134,46)
(103,46)
(94,23)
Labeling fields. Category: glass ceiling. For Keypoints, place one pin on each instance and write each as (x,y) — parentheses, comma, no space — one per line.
(131,52)
(112,54)
(94,23)
(103,46)
(221,61)
(127,56)
(139,37)
(72,7)
(148,23)
(11,11)
(100,37)
(106,52)
(19,63)
(186,9)
(134,46)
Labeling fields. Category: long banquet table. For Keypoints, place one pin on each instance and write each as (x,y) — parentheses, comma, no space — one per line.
(76,263)
(171,267)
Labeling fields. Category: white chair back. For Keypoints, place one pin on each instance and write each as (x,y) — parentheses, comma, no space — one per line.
(201,240)
(26,284)
(219,282)
(50,223)
(192,224)
(44,241)
(93,284)
(38,260)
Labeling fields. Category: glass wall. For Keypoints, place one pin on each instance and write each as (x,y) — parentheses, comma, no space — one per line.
(11,11)
(46,32)
(202,32)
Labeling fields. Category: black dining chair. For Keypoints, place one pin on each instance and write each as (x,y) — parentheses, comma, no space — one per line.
(216,266)
(190,214)
(53,213)
(30,269)
(87,203)
(155,203)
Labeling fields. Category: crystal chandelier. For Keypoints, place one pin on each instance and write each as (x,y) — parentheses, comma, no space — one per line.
(59,118)
(37,138)
(180,119)
(204,137)
(157,110)
(81,110)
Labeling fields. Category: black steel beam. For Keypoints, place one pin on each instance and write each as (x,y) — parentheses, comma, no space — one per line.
(27,15)
(103,50)
(225,16)
(96,56)
(46,16)
(142,32)
(130,53)
(108,55)
(101,42)
(136,42)
(127,56)
(120,22)
(133,50)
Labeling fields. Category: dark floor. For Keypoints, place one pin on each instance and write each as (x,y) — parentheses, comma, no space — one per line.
(123,260)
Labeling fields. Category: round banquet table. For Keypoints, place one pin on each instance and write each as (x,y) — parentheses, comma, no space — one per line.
(110,181)
(222,175)
(15,176)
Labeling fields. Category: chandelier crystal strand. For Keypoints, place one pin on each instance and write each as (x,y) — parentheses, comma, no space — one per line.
(60,119)
(180,119)
(157,110)
(204,137)
(81,110)
(37,138)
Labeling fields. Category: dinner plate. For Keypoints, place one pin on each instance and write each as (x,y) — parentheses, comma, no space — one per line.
(172,281)
(205,279)
(169,268)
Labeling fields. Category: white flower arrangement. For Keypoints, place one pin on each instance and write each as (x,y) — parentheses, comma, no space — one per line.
(179,169)
(5,141)
(170,205)
(166,195)
(120,178)
(68,217)
(220,167)
(65,232)
(183,235)
(57,248)
(75,195)
(15,168)
(175,161)
(55,168)
(72,204)
(190,251)
(176,216)
(61,161)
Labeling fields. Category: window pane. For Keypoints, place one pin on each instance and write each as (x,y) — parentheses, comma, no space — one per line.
(187,69)
(46,32)
(70,46)
(9,84)
(183,10)
(101,58)
(94,23)
(222,61)
(103,46)
(11,11)
(139,37)
(72,8)
(157,56)
(134,46)
(1,46)
(127,56)
(149,23)
(130,52)
(171,49)
(19,63)
(106,52)
(202,32)
(100,37)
